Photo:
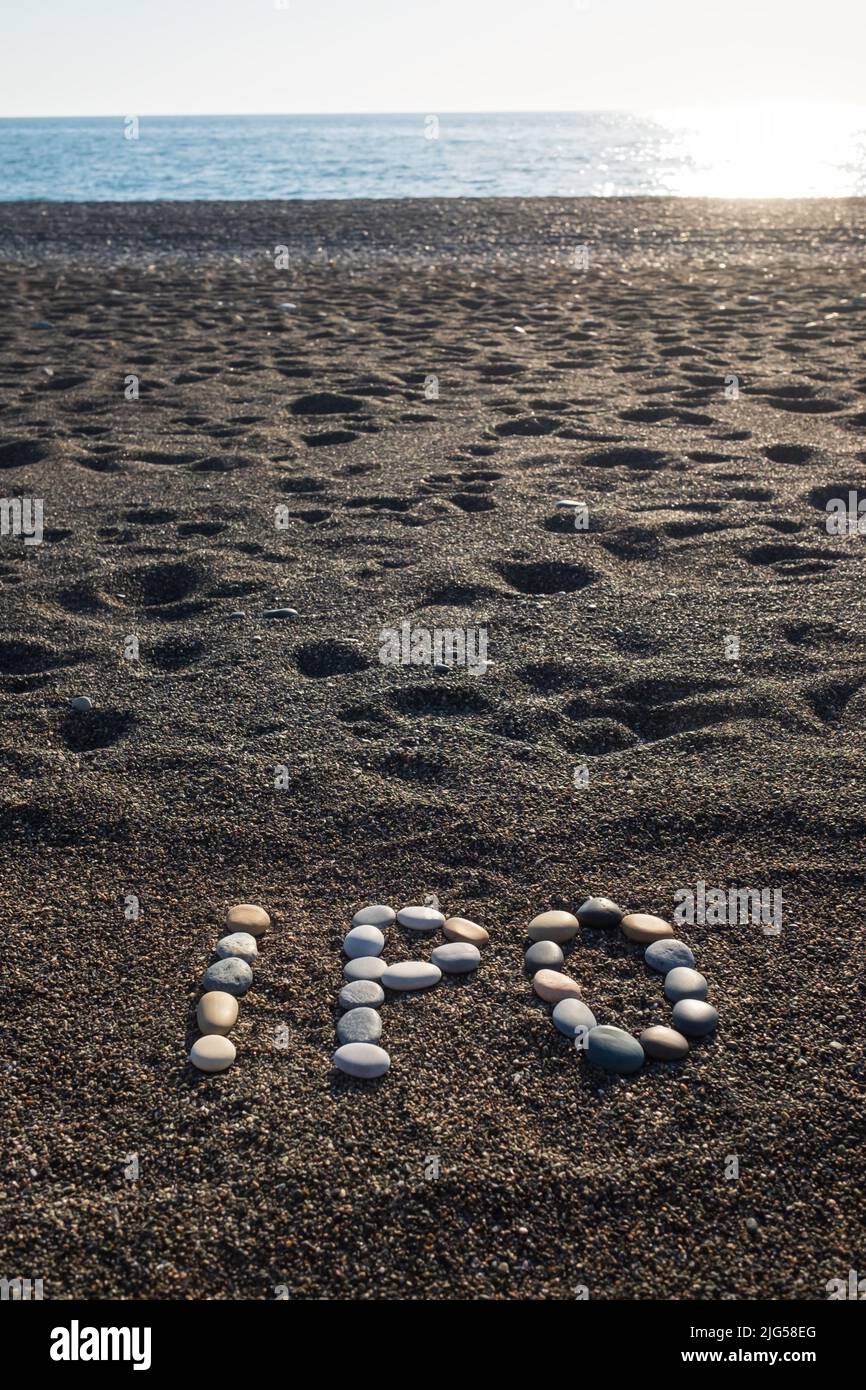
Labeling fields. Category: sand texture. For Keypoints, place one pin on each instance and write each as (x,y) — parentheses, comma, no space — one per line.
(280,762)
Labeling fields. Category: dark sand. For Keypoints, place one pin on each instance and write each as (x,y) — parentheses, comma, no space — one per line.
(159,517)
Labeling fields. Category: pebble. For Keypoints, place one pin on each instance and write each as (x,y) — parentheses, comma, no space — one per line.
(376,915)
(361,1059)
(571,1014)
(232,975)
(614,1049)
(456,957)
(280,613)
(361,994)
(694,1017)
(543,953)
(599,912)
(644,928)
(411,974)
(249,918)
(570,503)
(461,929)
(365,968)
(421,918)
(240,944)
(665,956)
(553,926)
(80,704)
(553,986)
(237,617)
(216,1012)
(361,1025)
(363,941)
(683,983)
(665,1043)
(212,1053)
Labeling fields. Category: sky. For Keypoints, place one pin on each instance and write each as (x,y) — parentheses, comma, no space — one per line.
(187,57)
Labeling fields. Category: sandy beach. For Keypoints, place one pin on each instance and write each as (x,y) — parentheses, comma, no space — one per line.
(376,431)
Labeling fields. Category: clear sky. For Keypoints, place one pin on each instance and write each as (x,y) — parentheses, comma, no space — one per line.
(148,57)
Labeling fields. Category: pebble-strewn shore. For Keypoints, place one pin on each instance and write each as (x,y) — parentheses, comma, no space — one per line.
(614,739)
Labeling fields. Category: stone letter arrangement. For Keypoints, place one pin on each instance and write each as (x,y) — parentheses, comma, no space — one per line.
(223,983)
(613,1049)
(367,977)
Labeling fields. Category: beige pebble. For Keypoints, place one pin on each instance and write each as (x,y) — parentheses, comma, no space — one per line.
(644,928)
(553,926)
(461,929)
(248,917)
(213,1053)
(217,1012)
(665,1043)
(552,985)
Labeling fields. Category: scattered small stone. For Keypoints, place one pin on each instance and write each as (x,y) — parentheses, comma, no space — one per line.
(424,919)
(461,929)
(232,975)
(361,994)
(411,974)
(553,926)
(280,613)
(599,912)
(694,1017)
(362,1025)
(248,917)
(364,1060)
(376,915)
(543,954)
(644,928)
(365,968)
(570,503)
(216,1012)
(456,957)
(683,983)
(571,1014)
(237,617)
(553,986)
(212,1053)
(752,1225)
(80,704)
(614,1050)
(241,944)
(363,941)
(666,955)
(665,1043)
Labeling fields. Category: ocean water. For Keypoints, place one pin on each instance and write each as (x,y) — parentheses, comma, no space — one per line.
(775,152)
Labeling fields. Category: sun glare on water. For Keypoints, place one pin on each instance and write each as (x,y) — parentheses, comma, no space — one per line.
(779,151)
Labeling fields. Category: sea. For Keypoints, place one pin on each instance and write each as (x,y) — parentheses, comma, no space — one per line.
(773,151)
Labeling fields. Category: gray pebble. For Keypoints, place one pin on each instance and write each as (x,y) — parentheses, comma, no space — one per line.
(237,617)
(667,954)
(240,944)
(376,915)
(280,613)
(232,975)
(411,974)
(683,983)
(359,1025)
(599,912)
(365,968)
(361,994)
(571,1014)
(364,1060)
(80,704)
(456,957)
(614,1050)
(694,1017)
(543,955)
(363,941)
